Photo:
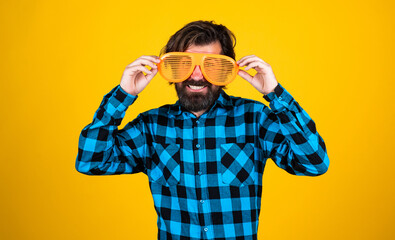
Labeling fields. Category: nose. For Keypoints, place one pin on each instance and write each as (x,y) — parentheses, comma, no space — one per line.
(197,73)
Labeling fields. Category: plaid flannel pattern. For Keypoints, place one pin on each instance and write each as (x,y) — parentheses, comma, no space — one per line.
(205,173)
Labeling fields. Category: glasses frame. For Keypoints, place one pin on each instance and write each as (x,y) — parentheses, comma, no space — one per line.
(198,60)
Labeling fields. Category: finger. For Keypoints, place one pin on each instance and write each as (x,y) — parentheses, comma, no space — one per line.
(152,75)
(254,65)
(152,58)
(245,75)
(249,60)
(136,69)
(245,57)
(143,62)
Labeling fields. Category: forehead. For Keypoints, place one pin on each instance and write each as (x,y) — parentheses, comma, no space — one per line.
(212,48)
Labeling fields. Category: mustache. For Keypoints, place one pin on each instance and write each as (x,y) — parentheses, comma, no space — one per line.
(201,82)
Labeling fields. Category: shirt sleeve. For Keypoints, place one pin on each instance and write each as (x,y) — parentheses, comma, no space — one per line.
(288,136)
(105,150)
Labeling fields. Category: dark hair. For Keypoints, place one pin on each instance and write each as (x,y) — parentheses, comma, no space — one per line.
(201,33)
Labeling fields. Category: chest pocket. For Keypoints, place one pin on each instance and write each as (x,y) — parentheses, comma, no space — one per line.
(237,160)
(165,164)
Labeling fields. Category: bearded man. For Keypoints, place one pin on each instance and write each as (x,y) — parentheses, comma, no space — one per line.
(204,155)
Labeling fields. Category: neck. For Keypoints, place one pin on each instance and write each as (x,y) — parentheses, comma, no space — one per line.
(199,113)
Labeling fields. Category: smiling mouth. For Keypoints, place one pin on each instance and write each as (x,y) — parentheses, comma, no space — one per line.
(194,87)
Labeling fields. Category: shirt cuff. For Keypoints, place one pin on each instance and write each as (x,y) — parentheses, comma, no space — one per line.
(119,101)
(279,99)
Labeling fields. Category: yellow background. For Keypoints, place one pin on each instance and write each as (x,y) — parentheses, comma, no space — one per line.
(59,58)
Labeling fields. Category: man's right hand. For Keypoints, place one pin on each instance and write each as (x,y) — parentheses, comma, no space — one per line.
(133,79)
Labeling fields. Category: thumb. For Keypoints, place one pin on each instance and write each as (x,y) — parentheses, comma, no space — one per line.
(245,75)
(150,76)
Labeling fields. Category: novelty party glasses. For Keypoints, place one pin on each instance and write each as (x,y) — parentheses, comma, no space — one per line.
(217,69)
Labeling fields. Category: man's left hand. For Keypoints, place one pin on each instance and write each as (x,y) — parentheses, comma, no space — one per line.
(264,80)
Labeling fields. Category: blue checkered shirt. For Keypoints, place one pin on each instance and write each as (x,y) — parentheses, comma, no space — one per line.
(205,173)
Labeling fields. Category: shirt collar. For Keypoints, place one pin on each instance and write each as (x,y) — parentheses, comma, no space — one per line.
(223,101)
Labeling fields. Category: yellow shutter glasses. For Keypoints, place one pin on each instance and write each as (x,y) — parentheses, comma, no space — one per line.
(217,69)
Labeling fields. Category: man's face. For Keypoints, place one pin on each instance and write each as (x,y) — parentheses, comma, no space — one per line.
(196,93)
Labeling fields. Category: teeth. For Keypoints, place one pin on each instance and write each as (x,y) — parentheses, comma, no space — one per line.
(195,87)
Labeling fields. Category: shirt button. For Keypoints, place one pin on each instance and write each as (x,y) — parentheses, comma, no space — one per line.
(197,122)
(205,229)
(197,145)
(201,201)
(280,98)
(200,172)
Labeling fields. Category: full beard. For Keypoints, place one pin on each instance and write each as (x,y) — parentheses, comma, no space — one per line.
(195,101)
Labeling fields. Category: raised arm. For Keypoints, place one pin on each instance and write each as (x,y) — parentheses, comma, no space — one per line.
(102,148)
(287,133)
